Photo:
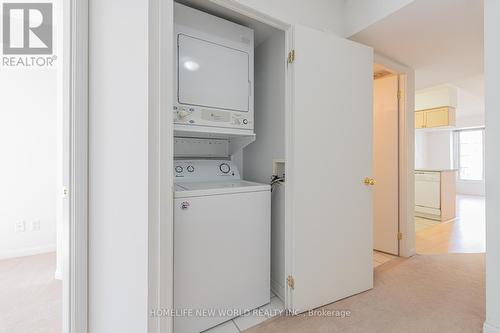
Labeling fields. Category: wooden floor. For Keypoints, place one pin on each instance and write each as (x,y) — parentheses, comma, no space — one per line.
(465,234)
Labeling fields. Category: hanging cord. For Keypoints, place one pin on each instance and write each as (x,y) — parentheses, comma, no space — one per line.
(276,180)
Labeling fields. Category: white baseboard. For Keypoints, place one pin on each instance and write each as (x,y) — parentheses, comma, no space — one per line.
(27,252)
(487,328)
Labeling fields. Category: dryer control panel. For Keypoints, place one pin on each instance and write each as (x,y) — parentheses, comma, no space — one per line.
(202,116)
(205,170)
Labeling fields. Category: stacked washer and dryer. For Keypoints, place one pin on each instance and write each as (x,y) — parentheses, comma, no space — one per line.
(221,222)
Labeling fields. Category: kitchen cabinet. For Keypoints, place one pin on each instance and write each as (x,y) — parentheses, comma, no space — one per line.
(419,119)
(435,194)
(437,117)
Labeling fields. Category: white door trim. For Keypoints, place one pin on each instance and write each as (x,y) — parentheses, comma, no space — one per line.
(160,165)
(247,11)
(406,153)
(75,233)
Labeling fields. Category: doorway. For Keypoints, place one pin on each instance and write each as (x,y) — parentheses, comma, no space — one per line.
(247,156)
(33,174)
(43,260)
(449,97)
(316,210)
(392,143)
(386,160)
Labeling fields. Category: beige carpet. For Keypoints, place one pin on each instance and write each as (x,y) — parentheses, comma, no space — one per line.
(423,294)
(30,297)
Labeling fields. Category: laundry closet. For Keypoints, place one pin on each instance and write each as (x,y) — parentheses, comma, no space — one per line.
(229,153)
(271,147)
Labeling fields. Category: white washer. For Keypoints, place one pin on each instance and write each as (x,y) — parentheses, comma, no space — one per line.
(221,244)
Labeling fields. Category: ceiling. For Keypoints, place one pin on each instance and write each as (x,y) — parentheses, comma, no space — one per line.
(441,39)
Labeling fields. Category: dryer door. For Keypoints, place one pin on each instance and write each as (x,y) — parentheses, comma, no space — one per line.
(212,75)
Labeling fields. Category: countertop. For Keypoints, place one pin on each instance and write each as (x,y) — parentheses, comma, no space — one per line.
(436,170)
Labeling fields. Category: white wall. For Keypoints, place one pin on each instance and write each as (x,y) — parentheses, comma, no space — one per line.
(359,14)
(319,14)
(28,143)
(470,113)
(492,77)
(437,96)
(440,150)
(433,149)
(467,121)
(420,150)
(470,110)
(118,221)
(29,140)
(270,89)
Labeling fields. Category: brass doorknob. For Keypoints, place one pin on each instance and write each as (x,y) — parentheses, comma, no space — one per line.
(369,181)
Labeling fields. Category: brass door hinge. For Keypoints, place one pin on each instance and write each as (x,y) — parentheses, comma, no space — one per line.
(291,56)
(290,281)
(400,93)
(400,235)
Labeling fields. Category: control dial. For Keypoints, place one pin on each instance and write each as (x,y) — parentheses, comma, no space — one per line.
(224,168)
(178,169)
(190,168)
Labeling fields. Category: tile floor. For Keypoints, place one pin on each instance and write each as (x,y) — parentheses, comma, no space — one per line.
(255,317)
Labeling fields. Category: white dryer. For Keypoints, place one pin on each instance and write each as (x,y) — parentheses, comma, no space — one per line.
(214,66)
(221,244)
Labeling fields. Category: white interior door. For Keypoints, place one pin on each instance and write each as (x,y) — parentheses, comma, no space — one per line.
(330,240)
(385,164)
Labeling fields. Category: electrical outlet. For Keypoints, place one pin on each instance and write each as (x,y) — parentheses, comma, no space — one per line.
(20,226)
(35,225)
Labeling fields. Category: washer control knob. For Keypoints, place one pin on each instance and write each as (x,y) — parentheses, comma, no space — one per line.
(190,168)
(224,168)
(178,169)
(245,121)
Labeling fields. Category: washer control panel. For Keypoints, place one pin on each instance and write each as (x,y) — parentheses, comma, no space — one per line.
(205,170)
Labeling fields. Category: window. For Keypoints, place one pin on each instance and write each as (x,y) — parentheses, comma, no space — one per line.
(469,154)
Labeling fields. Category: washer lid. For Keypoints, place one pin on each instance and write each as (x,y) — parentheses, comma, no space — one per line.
(191,189)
